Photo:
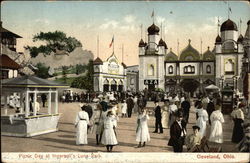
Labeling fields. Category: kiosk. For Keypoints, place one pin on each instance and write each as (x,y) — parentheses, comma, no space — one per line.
(28,121)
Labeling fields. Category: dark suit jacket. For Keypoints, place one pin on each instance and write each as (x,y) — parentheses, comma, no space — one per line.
(158,112)
(175,132)
(130,103)
(185,105)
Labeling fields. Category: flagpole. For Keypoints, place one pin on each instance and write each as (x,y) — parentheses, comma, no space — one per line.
(201,46)
(113,44)
(97,45)
(122,54)
(141,31)
(178,46)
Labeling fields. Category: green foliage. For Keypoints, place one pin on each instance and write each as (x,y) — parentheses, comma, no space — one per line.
(54,41)
(64,73)
(42,71)
(85,82)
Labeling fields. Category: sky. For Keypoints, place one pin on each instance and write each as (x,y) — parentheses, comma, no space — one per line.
(86,21)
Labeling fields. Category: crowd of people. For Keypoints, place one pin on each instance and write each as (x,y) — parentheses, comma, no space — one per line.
(102,119)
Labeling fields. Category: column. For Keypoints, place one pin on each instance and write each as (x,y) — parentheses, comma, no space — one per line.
(35,99)
(27,103)
(56,102)
(21,103)
(49,102)
(5,105)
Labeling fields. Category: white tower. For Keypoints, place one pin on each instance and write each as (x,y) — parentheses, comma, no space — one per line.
(151,61)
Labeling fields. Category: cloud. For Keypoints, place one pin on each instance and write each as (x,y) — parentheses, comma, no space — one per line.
(43,21)
(109,24)
(129,18)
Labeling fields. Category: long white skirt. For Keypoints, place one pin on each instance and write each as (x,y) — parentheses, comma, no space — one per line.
(165,119)
(142,134)
(202,125)
(81,133)
(216,134)
(109,137)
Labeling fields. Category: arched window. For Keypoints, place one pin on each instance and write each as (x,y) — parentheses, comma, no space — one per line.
(229,67)
(106,82)
(151,70)
(189,69)
(170,69)
(208,69)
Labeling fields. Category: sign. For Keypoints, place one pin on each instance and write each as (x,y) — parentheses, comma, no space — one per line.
(149,82)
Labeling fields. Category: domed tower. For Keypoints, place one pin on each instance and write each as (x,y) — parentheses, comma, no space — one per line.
(162,47)
(240,44)
(229,31)
(151,60)
(153,37)
(218,44)
(141,46)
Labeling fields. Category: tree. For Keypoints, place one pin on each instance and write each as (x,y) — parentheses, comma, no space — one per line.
(85,82)
(56,42)
(42,71)
(64,73)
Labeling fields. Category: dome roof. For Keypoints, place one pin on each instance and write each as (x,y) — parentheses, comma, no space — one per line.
(162,43)
(189,53)
(208,55)
(171,56)
(240,39)
(228,25)
(141,43)
(153,29)
(97,61)
(218,39)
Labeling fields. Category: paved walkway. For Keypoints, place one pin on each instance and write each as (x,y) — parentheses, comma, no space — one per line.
(64,139)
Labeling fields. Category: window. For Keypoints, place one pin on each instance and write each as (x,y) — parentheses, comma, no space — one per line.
(151,70)
(170,70)
(189,69)
(229,67)
(132,81)
(208,69)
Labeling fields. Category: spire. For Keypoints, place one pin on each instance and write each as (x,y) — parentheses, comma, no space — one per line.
(153,16)
(189,41)
(218,29)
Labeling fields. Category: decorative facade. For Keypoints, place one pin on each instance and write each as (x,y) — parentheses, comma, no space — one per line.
(109,75)
(229,53)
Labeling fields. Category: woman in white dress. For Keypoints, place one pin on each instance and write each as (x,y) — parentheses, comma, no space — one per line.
(165,114)
(124,109)
(109,135)
(142,133)
(172,112)
(81,124)
(202,119)
(217,119)
(97,123)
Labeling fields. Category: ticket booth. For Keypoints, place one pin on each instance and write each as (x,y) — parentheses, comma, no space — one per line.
(227,100)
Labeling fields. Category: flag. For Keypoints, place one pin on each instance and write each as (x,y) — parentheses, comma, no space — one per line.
(153,14)
(171,12)
(230,9)
(112,41)
(240,20)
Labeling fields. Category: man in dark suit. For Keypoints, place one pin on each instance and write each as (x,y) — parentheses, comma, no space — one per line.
(158,123)
(130,105)
(177,133)
(185,105)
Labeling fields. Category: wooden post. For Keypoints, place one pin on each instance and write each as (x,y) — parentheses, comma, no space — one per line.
(56,102)
(27,108)
(49,102)
(34,101)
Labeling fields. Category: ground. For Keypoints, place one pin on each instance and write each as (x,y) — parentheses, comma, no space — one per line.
(64,139)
